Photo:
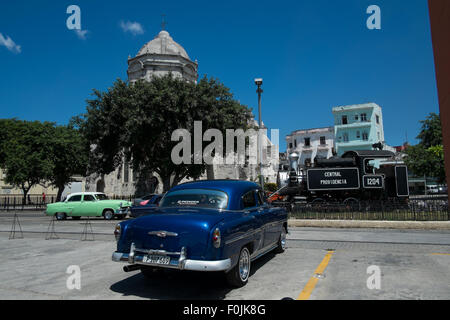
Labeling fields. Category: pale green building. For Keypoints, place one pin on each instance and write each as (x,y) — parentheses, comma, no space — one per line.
(358,127)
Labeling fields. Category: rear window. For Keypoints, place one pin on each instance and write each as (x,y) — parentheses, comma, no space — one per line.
(101,196)
(204,198)
(74,198)
(88,197)
(248,200)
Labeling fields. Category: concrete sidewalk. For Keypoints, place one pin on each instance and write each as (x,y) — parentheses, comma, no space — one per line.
(421,225)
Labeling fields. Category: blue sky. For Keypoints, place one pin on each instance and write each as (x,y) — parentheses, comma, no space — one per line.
(313,55)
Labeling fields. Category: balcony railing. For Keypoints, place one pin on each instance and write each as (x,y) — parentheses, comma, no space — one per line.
(355,124)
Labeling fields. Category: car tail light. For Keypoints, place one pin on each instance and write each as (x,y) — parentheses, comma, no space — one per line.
(143,203)
(216,238)
(117,232)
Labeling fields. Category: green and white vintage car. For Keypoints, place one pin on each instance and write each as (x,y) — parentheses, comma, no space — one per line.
(88,204)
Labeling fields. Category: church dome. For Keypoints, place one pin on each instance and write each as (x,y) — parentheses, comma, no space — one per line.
(163,44)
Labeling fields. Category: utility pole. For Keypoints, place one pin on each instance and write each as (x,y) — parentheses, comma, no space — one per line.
(259,82)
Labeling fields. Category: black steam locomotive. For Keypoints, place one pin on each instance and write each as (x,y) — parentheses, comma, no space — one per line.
(354,177)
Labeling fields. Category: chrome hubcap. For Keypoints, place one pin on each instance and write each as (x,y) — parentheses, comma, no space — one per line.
(244,264)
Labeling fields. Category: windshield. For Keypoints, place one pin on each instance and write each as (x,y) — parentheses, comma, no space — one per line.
(196,198)
(101,196)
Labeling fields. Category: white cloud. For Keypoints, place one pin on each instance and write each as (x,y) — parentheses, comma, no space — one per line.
(81,34)
(9,44)
(134,28)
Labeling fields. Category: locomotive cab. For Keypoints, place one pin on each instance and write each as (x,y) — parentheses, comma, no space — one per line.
(380,171)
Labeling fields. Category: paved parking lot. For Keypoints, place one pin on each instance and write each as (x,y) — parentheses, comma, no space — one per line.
(414,264)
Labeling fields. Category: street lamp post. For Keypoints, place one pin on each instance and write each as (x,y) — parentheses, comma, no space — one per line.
(259,82)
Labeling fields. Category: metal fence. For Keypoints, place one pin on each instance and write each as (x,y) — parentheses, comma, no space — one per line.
(414,210)
(127,198)
(32,202)
(15,202)
(427,209)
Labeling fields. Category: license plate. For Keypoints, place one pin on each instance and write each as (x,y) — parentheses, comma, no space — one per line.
(154,259)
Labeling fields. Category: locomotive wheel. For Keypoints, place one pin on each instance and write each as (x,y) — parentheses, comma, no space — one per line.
(318,204)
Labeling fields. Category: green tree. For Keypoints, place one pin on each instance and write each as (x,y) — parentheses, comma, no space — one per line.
(34,153)
(272,187)
(431,132)
(427,157)
(24,153)
(69,154)
(135,121)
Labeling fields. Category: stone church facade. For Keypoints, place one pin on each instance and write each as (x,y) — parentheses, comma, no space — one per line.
(159,57)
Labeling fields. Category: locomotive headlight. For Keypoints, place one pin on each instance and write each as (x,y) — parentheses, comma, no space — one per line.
(117,232)
(216,238)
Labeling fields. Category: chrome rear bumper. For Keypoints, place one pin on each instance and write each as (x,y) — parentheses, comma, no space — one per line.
(178,260)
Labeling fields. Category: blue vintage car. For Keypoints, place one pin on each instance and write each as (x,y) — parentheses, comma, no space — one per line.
(213,225)
(146,206)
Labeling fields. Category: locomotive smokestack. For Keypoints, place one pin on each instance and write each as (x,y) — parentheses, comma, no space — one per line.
(293,161)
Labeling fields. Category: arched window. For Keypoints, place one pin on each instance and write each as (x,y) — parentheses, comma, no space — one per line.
(100,186)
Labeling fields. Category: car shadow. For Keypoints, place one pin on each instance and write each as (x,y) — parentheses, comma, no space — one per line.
(182,285)
(257,264)
(175,285)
